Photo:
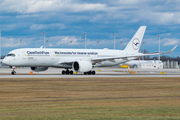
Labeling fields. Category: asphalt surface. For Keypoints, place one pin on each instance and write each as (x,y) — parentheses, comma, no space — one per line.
(100,72)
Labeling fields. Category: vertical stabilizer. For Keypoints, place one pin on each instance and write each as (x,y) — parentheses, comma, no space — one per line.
(135,43)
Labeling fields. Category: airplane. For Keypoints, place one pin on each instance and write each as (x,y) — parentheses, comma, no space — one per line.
(78,60)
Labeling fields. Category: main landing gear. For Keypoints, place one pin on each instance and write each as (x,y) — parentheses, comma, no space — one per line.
(70,72)
(90,73)
(13,71)
(67,72)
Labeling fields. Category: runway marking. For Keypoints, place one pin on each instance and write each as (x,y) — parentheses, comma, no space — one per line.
(86,76)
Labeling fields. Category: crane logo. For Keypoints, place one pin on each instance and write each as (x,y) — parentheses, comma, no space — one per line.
(135,44)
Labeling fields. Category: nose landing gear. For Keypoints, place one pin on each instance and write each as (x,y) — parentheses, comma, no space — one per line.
(13,71)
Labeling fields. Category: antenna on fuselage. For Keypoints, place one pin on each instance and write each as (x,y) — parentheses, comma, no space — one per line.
(41,46)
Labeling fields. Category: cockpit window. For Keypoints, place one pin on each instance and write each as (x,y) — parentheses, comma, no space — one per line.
(12,55)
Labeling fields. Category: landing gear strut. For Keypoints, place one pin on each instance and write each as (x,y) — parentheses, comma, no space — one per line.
(67,72)
(13,71)
(90,73)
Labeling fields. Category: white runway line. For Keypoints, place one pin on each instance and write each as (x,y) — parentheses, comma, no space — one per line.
(105,72)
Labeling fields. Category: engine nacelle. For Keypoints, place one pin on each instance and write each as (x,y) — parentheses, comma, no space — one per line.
(82,66)
(39,69)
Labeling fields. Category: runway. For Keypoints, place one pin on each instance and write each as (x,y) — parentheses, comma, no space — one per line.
(100,73)
(82,76)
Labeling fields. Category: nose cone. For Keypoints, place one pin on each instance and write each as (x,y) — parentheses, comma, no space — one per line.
(5,61)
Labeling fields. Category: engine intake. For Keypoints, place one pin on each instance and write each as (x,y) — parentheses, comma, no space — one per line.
(82,66)
(39,69)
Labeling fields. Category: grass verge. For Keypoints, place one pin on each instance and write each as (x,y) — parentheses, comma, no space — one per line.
(90,98)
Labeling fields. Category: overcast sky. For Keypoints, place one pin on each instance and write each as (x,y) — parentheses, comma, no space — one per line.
(67,20)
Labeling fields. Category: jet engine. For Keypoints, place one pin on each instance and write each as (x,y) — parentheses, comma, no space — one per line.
(82,66)
(39,69)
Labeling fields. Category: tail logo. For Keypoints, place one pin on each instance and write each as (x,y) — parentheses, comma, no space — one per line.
(135,44)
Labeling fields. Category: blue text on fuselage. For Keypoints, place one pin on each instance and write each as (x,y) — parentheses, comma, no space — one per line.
(75,53)
(38,52)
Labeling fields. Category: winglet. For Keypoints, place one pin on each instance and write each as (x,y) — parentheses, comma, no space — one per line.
(170,50)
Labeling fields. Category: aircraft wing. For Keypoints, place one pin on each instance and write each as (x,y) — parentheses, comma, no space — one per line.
(98,59)
(65,62)
(129,56)
(170,50)
(68,62)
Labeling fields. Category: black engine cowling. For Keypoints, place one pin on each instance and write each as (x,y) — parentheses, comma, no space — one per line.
(39,69)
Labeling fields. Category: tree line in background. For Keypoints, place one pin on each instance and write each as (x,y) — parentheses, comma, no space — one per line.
(163,58)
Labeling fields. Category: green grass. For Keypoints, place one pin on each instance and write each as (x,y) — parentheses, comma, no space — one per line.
(90,99)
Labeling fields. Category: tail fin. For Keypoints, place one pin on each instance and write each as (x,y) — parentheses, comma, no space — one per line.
(135,43)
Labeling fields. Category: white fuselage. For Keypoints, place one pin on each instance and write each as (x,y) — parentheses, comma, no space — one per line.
(47,57)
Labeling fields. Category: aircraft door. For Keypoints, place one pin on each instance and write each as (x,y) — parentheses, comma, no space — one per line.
(53,55)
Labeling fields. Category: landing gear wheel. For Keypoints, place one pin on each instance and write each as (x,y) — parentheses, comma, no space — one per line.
(93,72)
(67,72)
(63,72)
(13,73)
(71,72)
(89,73)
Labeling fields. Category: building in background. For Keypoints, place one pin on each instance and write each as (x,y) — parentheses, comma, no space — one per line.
(145,64)
(170,64)
(152,64)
